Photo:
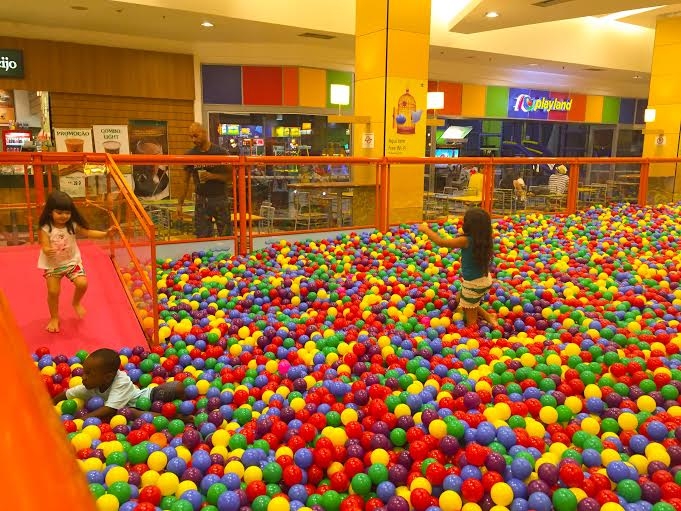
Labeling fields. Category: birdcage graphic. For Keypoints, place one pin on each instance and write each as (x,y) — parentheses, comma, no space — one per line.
(403,115)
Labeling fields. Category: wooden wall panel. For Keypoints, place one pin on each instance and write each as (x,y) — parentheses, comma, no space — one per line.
(77,68)
(81,111)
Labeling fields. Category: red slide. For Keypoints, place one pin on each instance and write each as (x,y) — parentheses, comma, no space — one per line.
(110,321)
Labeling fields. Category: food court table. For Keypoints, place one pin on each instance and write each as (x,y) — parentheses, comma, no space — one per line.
(336,187)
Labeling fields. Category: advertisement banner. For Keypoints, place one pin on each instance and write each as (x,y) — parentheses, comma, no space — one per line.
(72,179)
(405,133)
(113,139)
(151,182)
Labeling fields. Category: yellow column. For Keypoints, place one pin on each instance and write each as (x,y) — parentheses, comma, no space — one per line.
(392,40)
(662,135)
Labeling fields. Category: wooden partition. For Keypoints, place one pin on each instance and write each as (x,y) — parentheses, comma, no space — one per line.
(101,70)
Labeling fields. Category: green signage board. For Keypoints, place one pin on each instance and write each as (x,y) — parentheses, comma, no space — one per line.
(11,64)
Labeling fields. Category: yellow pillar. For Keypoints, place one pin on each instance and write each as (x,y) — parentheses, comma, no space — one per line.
(662,135)
(392,41)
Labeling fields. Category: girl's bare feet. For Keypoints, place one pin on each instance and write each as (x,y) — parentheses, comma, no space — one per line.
(486,316)
(53,325)
(80,310)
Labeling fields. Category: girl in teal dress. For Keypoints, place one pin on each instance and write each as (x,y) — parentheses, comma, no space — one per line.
(477,247)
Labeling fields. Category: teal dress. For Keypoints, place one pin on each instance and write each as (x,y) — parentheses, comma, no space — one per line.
(476,280)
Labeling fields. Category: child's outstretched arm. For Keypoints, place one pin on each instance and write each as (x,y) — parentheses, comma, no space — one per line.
(97,235)
(458,242)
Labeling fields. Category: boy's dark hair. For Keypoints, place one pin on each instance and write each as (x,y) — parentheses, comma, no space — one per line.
(477,225)
(63,202)
(109,359)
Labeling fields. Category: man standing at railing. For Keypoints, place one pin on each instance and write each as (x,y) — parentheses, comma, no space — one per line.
(211,183)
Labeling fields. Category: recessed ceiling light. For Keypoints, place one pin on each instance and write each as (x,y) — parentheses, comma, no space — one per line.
(207,24)
(79,8)
(636,77)
(532,64)
(492,14)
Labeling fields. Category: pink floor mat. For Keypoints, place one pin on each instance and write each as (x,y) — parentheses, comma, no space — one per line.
(110,321)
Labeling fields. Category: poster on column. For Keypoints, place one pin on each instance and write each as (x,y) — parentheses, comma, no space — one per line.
(72,179)
(405,131)
(113,139)
(151,182)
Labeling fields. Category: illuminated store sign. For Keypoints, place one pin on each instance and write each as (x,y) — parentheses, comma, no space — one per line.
(538,104)
(527,103)
(11,64)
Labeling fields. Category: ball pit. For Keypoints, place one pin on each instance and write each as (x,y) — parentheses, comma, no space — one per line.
(337,376)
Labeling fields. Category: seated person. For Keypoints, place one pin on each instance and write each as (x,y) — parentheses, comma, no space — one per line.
(513,180)
(559,180)
(558,184)
(102,377)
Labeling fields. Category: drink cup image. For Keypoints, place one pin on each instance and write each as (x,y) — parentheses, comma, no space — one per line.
(112,147)
(74,145)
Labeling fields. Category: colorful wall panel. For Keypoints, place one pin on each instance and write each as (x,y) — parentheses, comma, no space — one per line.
(271,85)
(311,87)
(221,84)
(262,85)
(291,85)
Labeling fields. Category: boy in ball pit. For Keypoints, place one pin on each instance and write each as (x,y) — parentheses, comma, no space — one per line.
(102,377)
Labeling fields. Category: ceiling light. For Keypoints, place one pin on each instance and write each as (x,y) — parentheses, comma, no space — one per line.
(636,77)
(492,14)
(532,64)
(207,24)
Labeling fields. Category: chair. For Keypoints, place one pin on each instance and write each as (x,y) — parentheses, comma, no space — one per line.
(266,225)
(307,212)
(472,195)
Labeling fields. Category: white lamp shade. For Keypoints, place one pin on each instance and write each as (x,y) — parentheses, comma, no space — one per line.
(435,100)
(340,94)
(649,115)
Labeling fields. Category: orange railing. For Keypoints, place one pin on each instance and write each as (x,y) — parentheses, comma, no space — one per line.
(133,252)
(592,182)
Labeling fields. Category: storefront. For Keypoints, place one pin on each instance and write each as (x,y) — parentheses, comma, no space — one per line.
(515,122)
(274,110)
(72,97)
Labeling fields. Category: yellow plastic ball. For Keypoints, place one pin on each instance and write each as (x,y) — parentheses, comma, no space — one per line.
(421,482)
(611,506)
(235,467)
(81,441)
(149,478)
(502,494)
(438,428)
(278,504)
(450,501)
(184,486)
(107,502)
(116,474)
(627,421)
(252,474)
(591,426)
(380,456)
(167,483)
(348,415)
(157,461)
(646,404)
(548,415)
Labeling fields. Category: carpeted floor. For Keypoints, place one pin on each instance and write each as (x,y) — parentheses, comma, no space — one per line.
(110,321)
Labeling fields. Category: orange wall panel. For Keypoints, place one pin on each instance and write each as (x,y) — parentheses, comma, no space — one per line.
(291,86)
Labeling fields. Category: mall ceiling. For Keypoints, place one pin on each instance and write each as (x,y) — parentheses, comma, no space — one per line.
(586,45)
(479,15)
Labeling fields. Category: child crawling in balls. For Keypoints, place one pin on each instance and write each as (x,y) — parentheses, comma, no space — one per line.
(477,247)
(102,377)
